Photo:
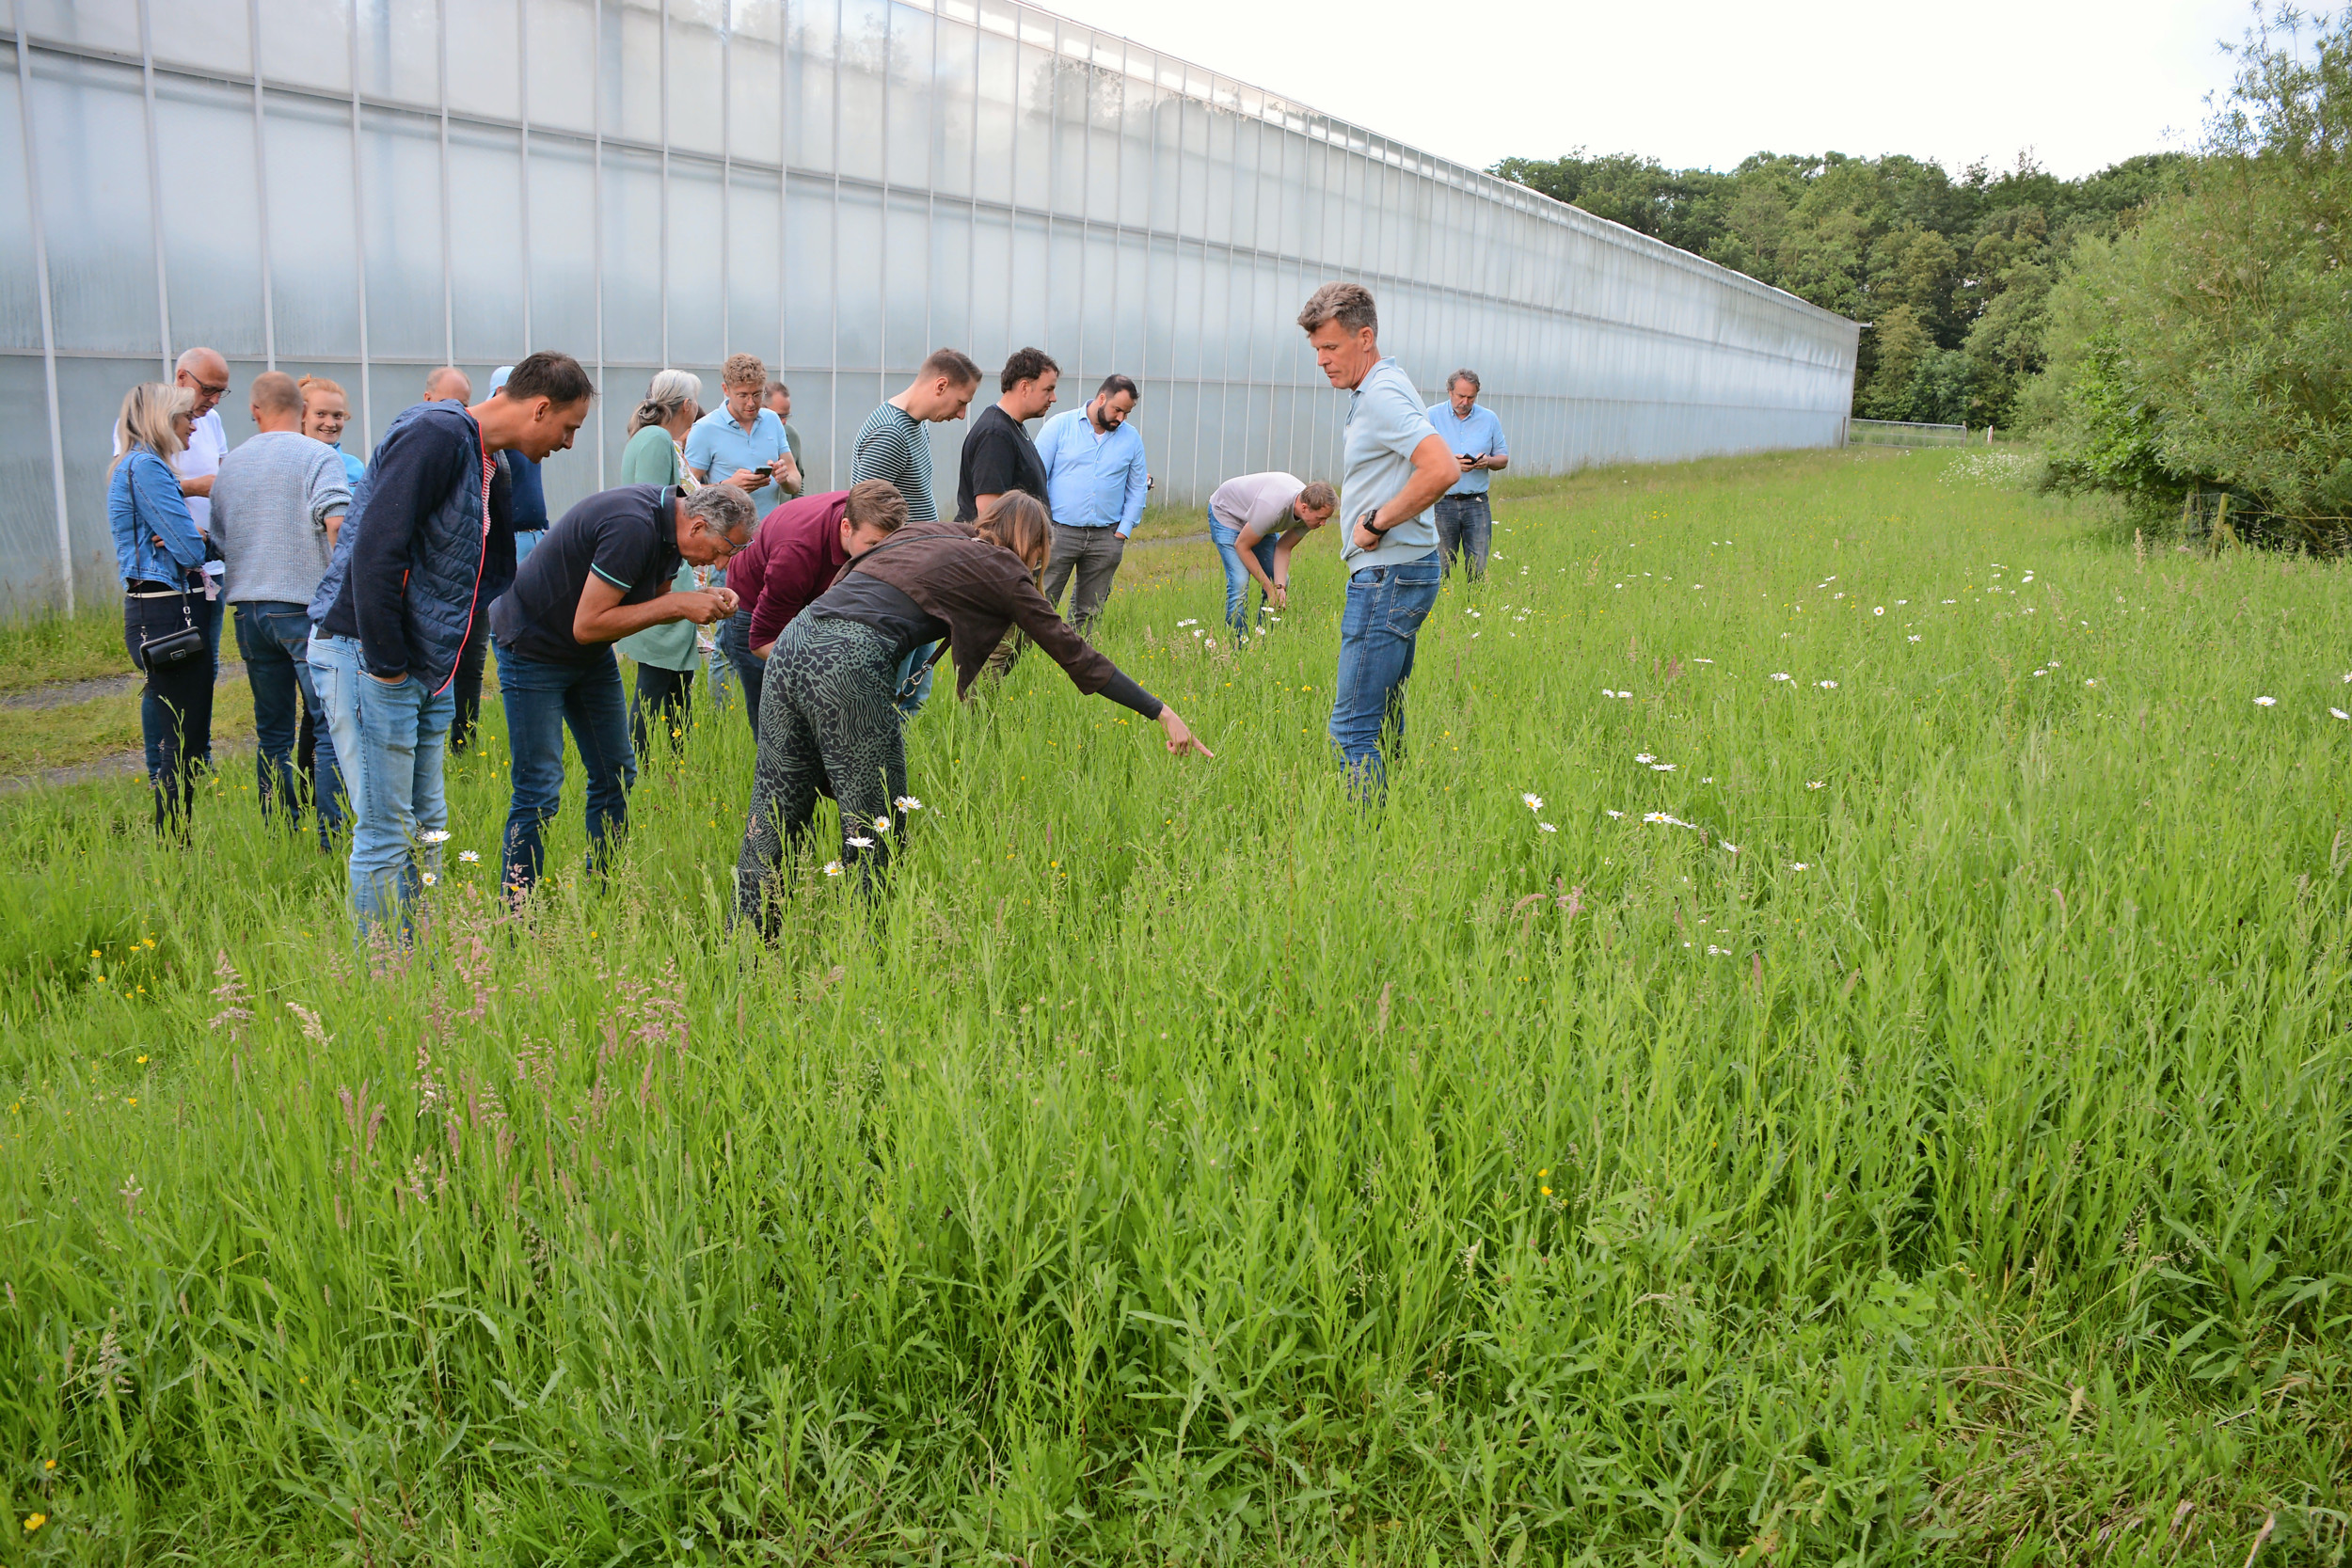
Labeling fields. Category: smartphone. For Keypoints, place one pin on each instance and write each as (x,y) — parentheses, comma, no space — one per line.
(765,471)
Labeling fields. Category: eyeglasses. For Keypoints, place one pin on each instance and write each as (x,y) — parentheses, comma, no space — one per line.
(205,388)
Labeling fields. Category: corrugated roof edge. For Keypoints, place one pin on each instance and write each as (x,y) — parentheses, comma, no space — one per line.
(1311,121)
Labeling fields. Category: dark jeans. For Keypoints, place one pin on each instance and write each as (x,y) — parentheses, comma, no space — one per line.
(274,638)
(542,700)
(735,640)
(663,700)
(1465,527)
(1386,606)
(152,721)
(1095,554)
(827,725)
(466,686)
(175,705)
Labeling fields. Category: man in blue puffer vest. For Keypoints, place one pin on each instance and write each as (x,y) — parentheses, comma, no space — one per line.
(393,611)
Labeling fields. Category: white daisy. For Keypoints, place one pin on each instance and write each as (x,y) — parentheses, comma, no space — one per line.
(1813,783)
(2338,712)
(2266,702)
(856,842)
(434,835)
(470,856)
(1727,846)
(1644,756)
(1662,767)
(1532,802)
(1826,686)
(1783,675)
(1878,609)
(832,868)
(430,878)
(1547,827)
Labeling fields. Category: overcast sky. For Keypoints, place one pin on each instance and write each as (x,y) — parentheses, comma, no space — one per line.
(2082,83)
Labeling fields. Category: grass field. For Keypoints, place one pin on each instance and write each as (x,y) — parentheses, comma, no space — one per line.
(1178,1166)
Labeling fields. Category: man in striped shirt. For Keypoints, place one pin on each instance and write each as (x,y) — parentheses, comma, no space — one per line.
(893,445)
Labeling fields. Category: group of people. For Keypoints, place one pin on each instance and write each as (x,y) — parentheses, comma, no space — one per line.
(368,593)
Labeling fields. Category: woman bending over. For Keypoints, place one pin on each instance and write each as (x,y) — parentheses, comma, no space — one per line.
(829,718)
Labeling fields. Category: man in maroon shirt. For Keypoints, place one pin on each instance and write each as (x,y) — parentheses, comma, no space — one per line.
(794,555)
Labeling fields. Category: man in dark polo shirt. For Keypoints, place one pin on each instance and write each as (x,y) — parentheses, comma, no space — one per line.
(998,455)
(602,572)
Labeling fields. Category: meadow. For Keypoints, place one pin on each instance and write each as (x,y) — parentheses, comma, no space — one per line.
(1834,1052)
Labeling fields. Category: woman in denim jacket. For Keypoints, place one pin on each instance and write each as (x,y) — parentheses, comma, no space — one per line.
(161,555)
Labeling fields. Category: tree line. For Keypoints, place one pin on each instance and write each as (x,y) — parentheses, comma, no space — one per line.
(2177,323)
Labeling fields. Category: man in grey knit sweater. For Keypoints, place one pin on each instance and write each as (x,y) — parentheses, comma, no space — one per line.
(277,504)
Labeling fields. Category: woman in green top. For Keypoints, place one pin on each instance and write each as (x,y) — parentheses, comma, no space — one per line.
(667,656)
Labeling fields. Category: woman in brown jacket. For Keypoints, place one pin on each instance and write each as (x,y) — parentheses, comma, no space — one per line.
(826,717)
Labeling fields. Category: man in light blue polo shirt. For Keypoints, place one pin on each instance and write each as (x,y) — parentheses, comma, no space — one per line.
(735,441)
(1095,485)
(1474,435)
(1396,466)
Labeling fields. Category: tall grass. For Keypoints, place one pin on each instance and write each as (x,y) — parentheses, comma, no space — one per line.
(1179,1164)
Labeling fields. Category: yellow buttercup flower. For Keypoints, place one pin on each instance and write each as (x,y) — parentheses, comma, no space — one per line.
(34,1522)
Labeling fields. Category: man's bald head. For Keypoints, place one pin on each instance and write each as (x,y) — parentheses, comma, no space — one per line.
(205,374)
(449,385)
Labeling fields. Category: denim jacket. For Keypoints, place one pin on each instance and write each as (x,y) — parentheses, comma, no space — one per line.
(155,537)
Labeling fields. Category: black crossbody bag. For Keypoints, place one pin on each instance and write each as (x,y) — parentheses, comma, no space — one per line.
(173,647)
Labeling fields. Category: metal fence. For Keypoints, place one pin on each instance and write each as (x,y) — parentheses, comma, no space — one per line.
(1903,433)
(366,188)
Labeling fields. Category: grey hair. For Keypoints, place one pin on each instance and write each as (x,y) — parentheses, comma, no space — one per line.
(1469,376)
(722,508)
(665,395)
(1349,304)
(191,357)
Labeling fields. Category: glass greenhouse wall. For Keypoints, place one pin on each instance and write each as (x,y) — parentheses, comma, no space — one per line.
(367,188)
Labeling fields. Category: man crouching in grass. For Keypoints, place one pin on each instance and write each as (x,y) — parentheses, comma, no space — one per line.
(602,572)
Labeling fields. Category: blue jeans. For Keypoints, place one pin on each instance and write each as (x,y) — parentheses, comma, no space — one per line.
(542,700)
(197,746)
(389,736)
(526,541)
(1386,606)
(1237,575)
(273,635)
(1465,527)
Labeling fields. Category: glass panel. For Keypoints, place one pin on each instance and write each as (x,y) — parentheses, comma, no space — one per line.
(906,275)
(306,44)
(908,123)
(1155,303)
(89,397)
(1217,212)
(756,81)
(482,78)
(951,264)
(1129,286)
(1098,303)
(989,338)
(208,35)
(808,291)
(400,192)
(994,134)
(1033,130)
(1072,89)
(697,78)
(864,61)
(630,72)
(953,108)
(1139,116)
(1063,286)
(93,24)
(563,195)
(1106,92)
(90,142)
(560,59)
(486,194)
(313,222)
(697,332)
(755,297)
(632,258)
(20,286)
(400,50)
(1026,292)
(857,333)
(809,98)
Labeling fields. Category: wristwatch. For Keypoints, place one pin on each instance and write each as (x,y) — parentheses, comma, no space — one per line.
(1363,521)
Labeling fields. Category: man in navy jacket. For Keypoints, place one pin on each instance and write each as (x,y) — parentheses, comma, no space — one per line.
(395,610)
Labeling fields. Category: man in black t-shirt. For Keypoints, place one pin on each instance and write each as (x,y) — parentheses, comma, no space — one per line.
(602,572)
(998,455)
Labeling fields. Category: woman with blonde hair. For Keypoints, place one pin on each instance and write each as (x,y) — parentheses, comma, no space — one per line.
(827,717)
(161,556)
(325,411)
(667,656)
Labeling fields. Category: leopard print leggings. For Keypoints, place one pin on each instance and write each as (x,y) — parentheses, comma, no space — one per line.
(826,727)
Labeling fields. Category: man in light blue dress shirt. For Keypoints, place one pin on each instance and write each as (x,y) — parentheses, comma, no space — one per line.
(1396,466)
(1095,485)
(734,441)
(1474,435)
